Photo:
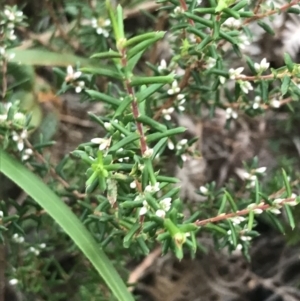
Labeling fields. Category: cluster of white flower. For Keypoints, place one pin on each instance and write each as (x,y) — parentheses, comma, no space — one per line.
(72,77)
(164,207)
(279,202)
(253,207)
(102,142)
(17,238)
(231,114)
(174,89)
(262,66)
(232,23)
(178,10)
(252,176)
(9,19)
(102,26)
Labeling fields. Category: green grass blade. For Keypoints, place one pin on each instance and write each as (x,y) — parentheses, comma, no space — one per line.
(62,214)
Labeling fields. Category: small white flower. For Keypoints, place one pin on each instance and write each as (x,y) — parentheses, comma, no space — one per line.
(231,114)
(222,80)
(1,214)
(3,117)
(275,210)
(239,247)
(246,238)
(103,143)
(229,232)
(160,213)
(246,86)
(211,62)
(262,66)
(154,188)
(27,154)
(165,204)
(144,209)
(162,66)
(243,41)
(13,281)
(79,86)
(178,10)
(203,190)
(101,26)
(133,185)
(275,103)
(20,139)
(174,89)
(257,211)
(108,126)
(256,103)
(232,23)
(261,170)
(278,201)
(167,113)
(148,153)
(71,74)
(20,117)
(181,143)
(183,157)
(11,35)
(17,238)
(43,245)
(292,203)
(192,38)
(170,144)
(34,250)
(237,220)
(180,101)
(234,73)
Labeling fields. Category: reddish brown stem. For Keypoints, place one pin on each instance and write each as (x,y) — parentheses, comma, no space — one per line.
(225,216)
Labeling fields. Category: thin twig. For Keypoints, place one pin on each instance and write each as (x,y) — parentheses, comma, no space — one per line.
(139,271)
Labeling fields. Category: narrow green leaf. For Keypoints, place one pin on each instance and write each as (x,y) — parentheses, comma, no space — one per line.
(289,214)
(137,81)
(285,84)
(143,37)
(107,55)
(168,133)
(233,233)
(231,13)
(120,21)
(112,16)
(130,235)
(36,57)
(250,220)
(123,106)
(152,123)
(266,27)
(286,184)
(200,20)
(142,46)
(231,201)
(288,61)
(95,95)
(144,94)
(223,204)
(125,141)
(102,71)
(240,5)
(62,214)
